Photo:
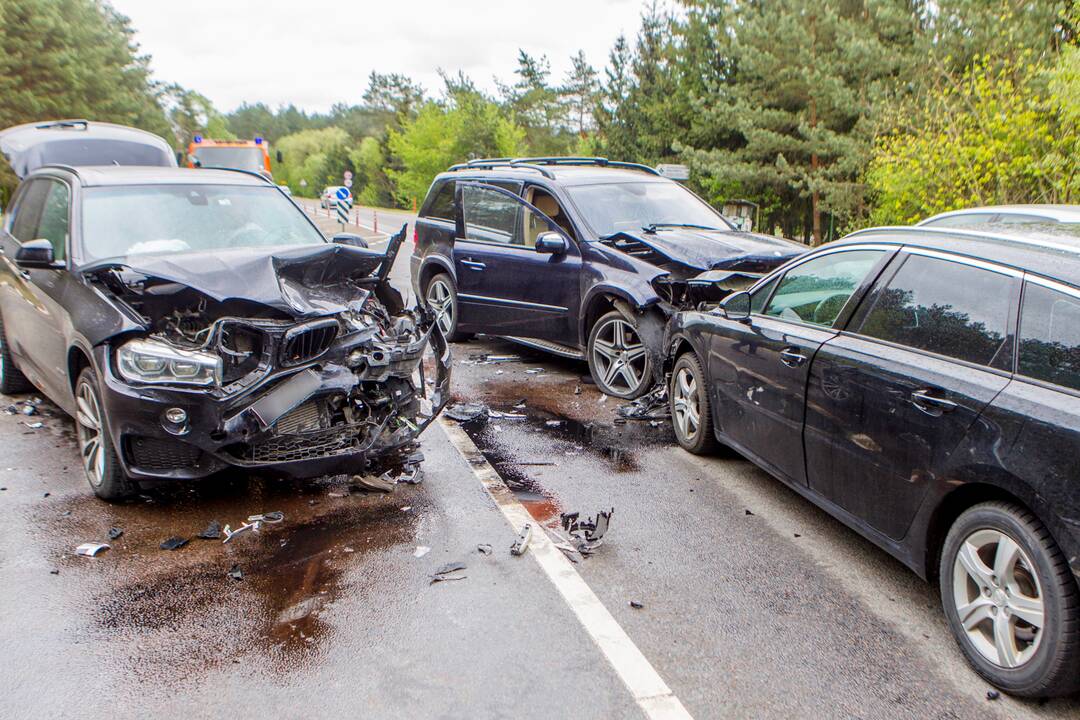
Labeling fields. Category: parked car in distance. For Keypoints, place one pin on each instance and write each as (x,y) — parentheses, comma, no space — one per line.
(996,215)
(329,198)
(922,386)
(197,320)
(582,257)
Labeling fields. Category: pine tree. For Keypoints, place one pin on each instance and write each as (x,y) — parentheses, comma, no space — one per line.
(578,93)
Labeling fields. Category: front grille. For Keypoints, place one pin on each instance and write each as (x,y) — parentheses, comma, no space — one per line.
(339,440)
(308,341)
(155,454)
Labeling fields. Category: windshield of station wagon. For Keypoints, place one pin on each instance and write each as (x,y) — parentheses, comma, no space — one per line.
(134,220)
(615,207)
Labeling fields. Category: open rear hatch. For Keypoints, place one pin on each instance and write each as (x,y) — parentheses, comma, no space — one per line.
(81,143)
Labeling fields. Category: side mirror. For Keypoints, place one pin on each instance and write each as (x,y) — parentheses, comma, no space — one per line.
(349,239)
(280,157)
(35,255)
(736,307)
(551,243)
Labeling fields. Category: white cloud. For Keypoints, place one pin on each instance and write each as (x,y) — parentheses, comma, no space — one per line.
(316,54)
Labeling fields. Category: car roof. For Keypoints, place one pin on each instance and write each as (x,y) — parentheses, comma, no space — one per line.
(568,175)
(1058,213)
(31,146)
(107,175)
(1052,251)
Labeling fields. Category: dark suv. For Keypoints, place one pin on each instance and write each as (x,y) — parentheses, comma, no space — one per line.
(582,257)
(923,386)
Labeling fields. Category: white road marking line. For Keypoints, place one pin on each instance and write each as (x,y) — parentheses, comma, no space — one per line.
(649,690)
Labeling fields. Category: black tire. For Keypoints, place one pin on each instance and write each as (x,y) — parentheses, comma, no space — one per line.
(684,399)
(1049,668)
(12,381)
(102,470)
(450,304)
(603,360)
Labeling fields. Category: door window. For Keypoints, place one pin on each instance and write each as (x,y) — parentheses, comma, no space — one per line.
(490,216)
(946,308)
(28,211)
(442,205)
(54,218)
(816,291)
(1050,336)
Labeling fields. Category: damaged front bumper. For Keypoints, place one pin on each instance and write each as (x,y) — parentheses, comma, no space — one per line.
(356,409)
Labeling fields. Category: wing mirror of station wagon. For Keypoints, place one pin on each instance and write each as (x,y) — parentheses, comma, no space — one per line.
(36,255)
(551,243)
(736,307)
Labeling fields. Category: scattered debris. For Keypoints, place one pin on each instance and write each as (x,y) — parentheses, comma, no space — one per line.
(421,551)
(636,605)
(383,483)
(35,425)
(534,371)
(483,549)
(506,415)
(488,359)
(577,389)
(554,423)
(650,406)
(466,412)
(173,543)
(348,549)
(115,533)
(91,549)
(992,694)
(411,475)
(520,404)
(254,523)
(212,531)
(798,535)
(46,495)
(522,543)
(28,410)
(406,508)
(235,573)
(54,571)
(749,513)
(447,572)
(587,534)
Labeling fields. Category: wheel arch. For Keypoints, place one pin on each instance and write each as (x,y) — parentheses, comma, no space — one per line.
(600,301)
(430,269)
(77,359)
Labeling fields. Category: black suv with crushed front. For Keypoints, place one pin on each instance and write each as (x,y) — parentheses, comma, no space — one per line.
(582,257)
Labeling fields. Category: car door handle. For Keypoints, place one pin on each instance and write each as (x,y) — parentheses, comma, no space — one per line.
(931,404)
(792,358)
(473,264)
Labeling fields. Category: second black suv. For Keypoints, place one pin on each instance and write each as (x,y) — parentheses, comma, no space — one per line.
(582,257)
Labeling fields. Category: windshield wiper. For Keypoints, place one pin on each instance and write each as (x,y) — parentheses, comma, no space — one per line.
(651,227)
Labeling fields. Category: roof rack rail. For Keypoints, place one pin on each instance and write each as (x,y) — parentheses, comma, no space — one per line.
(84,124)
(538,163)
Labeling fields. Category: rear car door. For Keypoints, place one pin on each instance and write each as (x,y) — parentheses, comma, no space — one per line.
(504,286)
(759,369)
(34,319)
(892,396)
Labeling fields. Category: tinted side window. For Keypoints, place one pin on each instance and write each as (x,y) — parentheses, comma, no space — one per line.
(816,291)
(442,205)
(1050,336)
(946,308)
(54,218)
(28,211)
(489,216)
(759,296)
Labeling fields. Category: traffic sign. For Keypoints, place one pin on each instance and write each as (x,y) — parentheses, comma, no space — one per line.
(344,205)
(342,194)
(303,182)
(348,182)
(348,177)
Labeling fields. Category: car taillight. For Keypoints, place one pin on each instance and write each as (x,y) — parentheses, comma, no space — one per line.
(415,236)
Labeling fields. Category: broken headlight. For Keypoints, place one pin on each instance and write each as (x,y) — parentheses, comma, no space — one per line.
(150,361)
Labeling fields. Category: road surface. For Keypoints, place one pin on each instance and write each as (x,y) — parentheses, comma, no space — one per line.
(753,603)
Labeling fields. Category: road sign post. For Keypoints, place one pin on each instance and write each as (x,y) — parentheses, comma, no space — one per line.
(344,206)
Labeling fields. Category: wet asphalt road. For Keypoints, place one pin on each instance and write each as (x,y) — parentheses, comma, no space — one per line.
(778,613)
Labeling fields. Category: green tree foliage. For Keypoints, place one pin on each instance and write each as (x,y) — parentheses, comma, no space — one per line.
(72,58)
(316,157)
(1002,132)
(191,113)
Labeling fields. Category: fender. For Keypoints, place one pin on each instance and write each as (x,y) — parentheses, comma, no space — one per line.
(641,301)
(441,261)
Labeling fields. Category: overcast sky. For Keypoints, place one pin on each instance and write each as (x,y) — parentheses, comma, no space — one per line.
(315,54)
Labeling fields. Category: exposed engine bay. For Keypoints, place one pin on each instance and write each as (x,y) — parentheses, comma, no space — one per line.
(307,357)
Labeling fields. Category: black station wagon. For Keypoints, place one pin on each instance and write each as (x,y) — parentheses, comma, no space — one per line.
(923,386)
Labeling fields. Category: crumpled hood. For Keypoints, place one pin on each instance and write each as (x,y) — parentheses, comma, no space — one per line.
(301,281)
(720,249)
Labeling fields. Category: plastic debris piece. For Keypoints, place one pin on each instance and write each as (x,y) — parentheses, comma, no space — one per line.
(406,508)
(347,549)
(992,694)
(411,475)
(554,423)
(54,572)
(534,371)
(383,483)
(522,543)
(173,543)
(749,513)
(577,389)
(636,605)
(235,573)
(506,415)
(520,404)
(483,549)
(272,517)
(212,531)
(35,425)
(421,551)
(28,410)
(91,549)
(115,532)
(466,412)
(650,406)
(587,534)
(448,572)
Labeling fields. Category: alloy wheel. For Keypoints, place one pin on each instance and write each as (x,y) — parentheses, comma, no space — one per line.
(620,356)
(999,601)
(91,435)
(686,406)
(441,301)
